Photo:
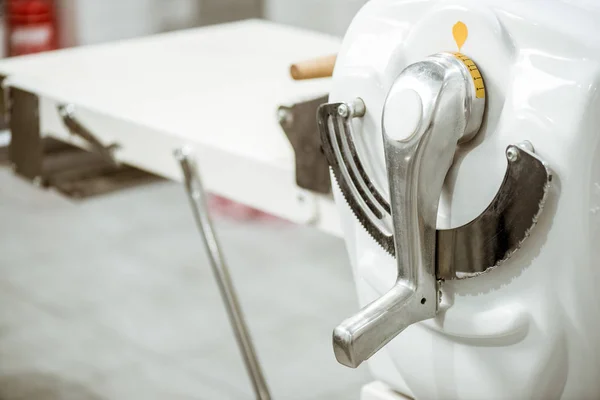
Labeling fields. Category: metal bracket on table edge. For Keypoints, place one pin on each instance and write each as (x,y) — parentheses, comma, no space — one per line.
(25,151)
(299,122)
(67,114)
(4,101)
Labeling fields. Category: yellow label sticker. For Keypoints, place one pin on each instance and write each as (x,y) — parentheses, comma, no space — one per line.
(475,74)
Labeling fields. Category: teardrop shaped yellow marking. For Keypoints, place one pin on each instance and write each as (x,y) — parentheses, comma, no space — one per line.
(460,33)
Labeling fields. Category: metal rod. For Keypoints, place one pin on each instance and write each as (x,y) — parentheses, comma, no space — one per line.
(197,197)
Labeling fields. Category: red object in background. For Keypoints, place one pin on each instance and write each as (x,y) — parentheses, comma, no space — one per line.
(31,26)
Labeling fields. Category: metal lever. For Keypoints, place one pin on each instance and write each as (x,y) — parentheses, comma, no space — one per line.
(197,197)
(67,113)
(431,106)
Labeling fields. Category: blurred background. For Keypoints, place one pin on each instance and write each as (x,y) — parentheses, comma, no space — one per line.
(81,22)
(110,296)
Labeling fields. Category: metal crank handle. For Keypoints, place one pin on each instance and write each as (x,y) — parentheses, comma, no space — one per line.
(362,335)
(431,106)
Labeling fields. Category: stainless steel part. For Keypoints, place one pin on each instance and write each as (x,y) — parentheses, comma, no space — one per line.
(300,126)
(367,203)
(491,238)
(197,197)
(67,113)
(471,249)
(446,108)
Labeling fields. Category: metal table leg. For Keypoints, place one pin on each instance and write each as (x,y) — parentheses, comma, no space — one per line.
(197,197)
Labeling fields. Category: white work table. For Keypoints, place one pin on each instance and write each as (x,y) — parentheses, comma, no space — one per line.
(214,89)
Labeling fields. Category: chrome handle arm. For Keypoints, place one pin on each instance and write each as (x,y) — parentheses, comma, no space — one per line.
(429,109)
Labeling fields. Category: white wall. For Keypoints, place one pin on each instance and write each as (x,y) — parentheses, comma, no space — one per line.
(96,21)
(329,16)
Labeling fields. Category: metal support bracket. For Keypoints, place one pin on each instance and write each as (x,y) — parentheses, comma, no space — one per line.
(67,113)
(299,122)
(197,198)
(26,150)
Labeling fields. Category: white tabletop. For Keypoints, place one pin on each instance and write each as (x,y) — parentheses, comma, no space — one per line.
(218,87)
(216,83)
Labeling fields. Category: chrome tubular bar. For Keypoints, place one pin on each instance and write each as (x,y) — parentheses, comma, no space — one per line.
(197,197)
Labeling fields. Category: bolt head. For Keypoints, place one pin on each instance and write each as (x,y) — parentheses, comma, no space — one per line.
(512,154)
(284,116)
(343,110)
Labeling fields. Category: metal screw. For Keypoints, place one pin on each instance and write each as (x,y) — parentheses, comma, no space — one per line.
(284,116)
(512,154)
(359,108)
(182,153)
(343,110)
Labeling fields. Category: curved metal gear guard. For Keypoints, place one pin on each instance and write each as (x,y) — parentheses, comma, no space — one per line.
(499,231)
(462,252)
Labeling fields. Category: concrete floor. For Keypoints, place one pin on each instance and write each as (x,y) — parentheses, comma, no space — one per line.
(112,298)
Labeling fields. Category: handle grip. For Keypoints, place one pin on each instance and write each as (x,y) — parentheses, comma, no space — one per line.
(321,67)
(362,335)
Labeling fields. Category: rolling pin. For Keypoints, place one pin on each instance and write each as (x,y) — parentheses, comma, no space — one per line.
(321,67)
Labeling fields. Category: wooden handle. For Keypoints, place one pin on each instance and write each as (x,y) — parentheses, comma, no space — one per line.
(321,67)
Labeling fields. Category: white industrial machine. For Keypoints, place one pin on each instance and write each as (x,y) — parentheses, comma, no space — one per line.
(463,142)
(463,138)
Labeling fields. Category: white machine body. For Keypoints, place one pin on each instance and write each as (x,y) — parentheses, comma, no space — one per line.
(528,328)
